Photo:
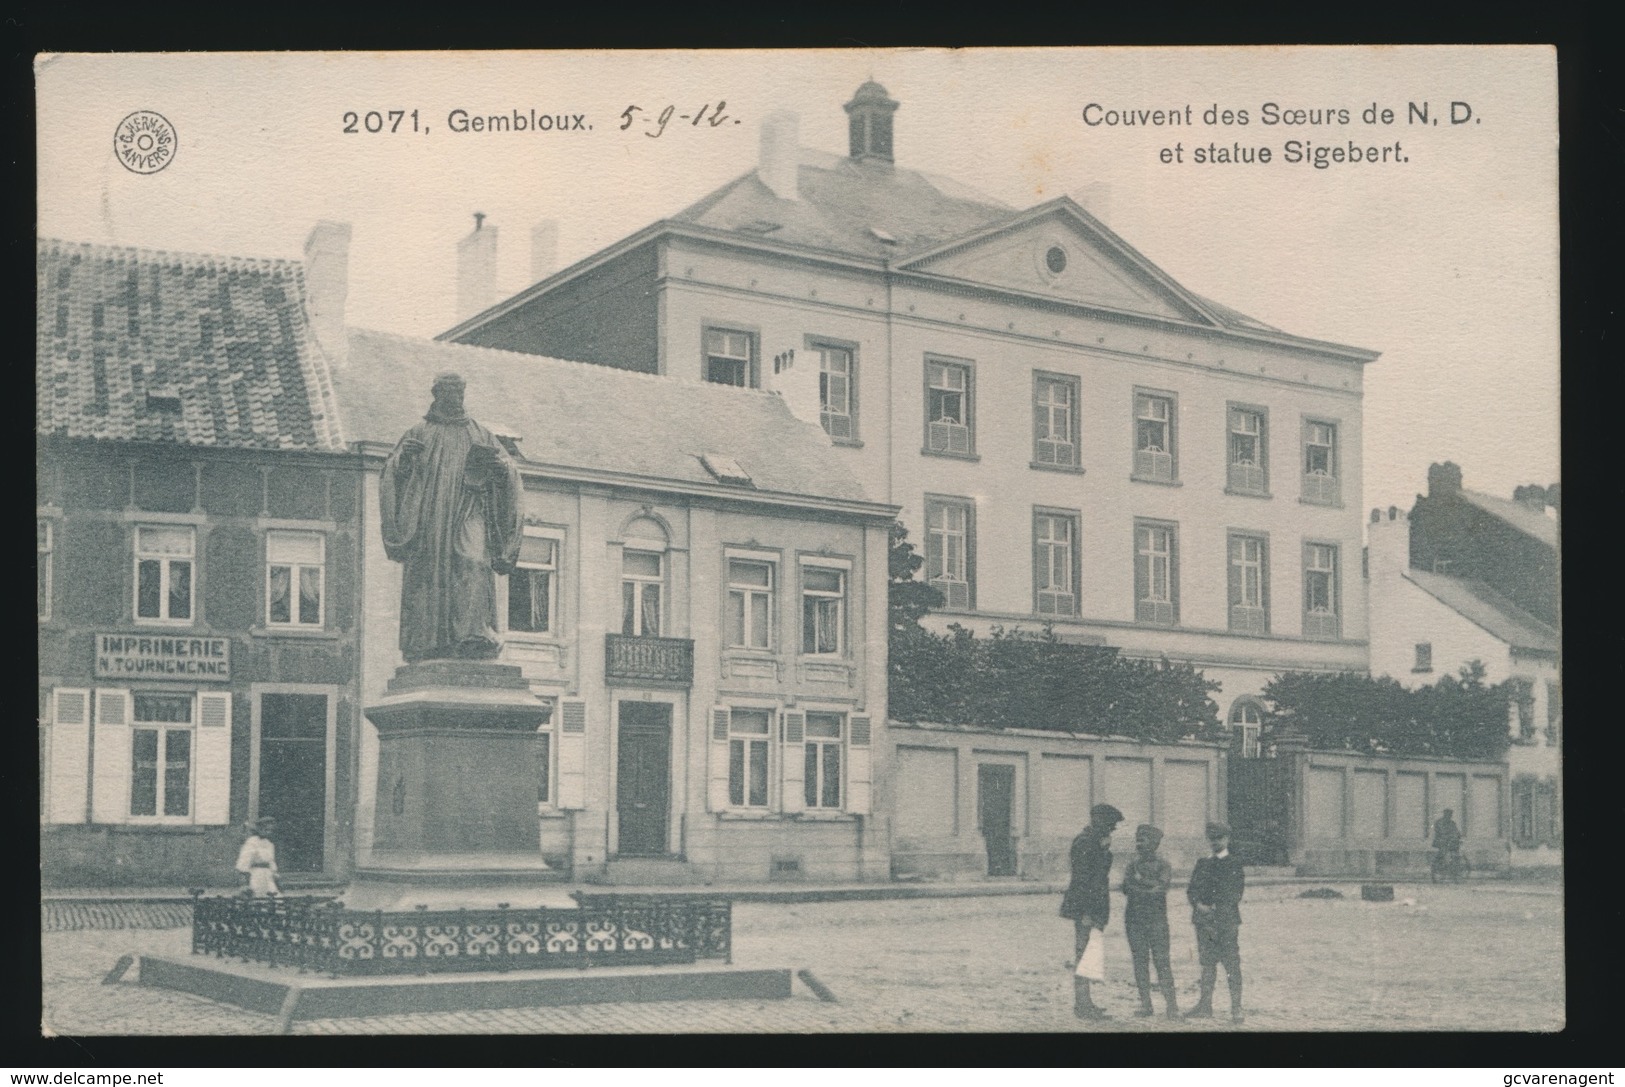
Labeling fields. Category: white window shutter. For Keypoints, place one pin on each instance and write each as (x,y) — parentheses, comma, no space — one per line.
(68,782)
(212,758)
(794,761)
(857,766)
(572,753)
(717,793)
(110,787)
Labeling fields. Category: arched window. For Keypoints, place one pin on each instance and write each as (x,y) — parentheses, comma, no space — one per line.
(1246,727)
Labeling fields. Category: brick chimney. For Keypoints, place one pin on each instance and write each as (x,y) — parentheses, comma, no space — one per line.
(781,154)
(1444,479)
(1388,543)
(544,249)
(327,287)
(477,269)
(1532,495)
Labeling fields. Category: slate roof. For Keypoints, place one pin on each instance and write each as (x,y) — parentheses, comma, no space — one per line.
(842,201)
(578,415)
(1519,516)
(121,331)
(1482,605)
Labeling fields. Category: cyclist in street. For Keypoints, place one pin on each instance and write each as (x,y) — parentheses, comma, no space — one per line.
(1446,844)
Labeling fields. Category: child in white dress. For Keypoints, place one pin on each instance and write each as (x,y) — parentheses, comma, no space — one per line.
(257,859)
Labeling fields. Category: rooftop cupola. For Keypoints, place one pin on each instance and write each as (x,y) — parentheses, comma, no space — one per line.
(870,119)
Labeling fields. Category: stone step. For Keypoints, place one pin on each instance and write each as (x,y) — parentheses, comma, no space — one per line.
(655,871)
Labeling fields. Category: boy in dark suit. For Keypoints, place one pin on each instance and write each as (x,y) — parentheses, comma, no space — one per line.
(1145,883)
(1088,900)
(1215,893)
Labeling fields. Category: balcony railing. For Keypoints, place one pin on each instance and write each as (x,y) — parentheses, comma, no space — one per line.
(668,661)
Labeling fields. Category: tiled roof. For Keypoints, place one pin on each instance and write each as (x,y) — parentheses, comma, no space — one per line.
(577,415)
(843,202)
(142,345)
(1519,516)
(1487,608)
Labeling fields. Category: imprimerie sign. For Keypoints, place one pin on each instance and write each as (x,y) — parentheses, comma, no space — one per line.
(157,656)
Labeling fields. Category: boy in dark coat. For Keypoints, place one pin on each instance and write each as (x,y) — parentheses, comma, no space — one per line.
(1215,893)
(1145,883)
(1088,900)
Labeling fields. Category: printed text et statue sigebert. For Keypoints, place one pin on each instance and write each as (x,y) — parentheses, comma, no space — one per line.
(450,498)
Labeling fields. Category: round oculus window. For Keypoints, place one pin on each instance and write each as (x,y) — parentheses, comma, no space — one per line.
(1055,260)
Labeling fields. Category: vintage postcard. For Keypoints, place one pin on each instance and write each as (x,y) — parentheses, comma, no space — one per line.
(799,541)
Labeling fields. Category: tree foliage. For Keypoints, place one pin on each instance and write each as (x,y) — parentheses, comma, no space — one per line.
(1458,717)
(907,599)
(1021,679)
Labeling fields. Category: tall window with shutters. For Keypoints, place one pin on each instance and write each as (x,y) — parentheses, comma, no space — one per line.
(295,576)
(821,761)
(1321,483)
(1247,467)
(1055,420)
(165,557)
(1249,583)
(1155,417)
(948,408)
(533,586)
(1320,591)
(1156,572)
(1055,562)
(161,756)
(749,750)
(950,541)
(642,592)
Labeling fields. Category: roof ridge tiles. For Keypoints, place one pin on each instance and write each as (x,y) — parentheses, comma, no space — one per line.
(62,246)
(594,367)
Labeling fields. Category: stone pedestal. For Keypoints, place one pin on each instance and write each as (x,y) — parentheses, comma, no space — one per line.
(458,766)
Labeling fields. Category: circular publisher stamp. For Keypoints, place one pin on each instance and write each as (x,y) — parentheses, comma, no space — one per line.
(144,142)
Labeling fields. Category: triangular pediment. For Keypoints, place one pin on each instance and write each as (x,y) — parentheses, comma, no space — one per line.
(1059,251)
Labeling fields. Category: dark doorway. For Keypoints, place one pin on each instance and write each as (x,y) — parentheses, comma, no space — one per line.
(1263,797)
(293,777)
(997,792)
(643,777)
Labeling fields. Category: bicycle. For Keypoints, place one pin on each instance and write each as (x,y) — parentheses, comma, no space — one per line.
(1449,867)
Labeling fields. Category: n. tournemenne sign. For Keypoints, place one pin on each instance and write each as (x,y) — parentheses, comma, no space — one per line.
(134,656)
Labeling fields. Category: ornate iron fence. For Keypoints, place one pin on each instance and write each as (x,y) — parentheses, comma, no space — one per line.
(320,934)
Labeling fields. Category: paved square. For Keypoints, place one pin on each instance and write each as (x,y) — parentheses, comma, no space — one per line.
(1470,957)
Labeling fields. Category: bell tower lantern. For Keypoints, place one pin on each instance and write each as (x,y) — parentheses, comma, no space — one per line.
(870,122)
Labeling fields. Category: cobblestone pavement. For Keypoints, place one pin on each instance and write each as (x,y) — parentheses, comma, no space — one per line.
(1470,957)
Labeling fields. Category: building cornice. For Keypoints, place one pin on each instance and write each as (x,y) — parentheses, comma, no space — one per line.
(897,272)
(539,471)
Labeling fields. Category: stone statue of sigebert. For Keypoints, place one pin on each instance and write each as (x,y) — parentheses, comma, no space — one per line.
(450,513)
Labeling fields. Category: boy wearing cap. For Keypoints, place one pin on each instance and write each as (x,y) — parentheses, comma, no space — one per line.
(1088,899)
(1145,884)
(1215,893)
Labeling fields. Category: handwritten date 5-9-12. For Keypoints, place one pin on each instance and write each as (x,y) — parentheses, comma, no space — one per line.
(655,125)
(380,121)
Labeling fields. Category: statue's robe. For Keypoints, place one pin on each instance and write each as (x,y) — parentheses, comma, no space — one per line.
(450,513)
